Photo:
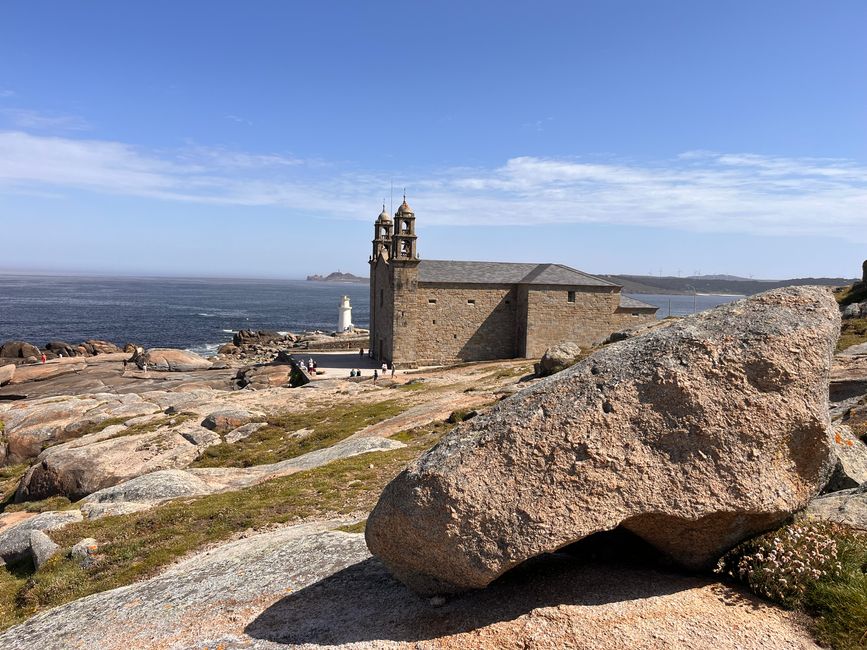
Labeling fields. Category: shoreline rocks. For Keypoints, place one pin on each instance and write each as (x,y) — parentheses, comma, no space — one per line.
(693,437)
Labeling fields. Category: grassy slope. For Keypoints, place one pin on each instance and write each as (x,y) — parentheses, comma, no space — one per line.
(275,442)
(135,546)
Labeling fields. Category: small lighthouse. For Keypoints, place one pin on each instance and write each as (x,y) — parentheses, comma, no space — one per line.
(344,319)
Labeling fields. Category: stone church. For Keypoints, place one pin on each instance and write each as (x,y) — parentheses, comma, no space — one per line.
(429,312)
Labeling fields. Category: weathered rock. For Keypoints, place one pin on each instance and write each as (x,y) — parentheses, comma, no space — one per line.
(60,348)
(850,456)
(75,470)
(7,372)
(18,350)
(267,376)
(101,347)
(156,486)
(43,371)
(30,426)
(168,359)
(226,420)
(15,540)
(848,376)
(41,548)
(855,310)
(844,507)
(693,437)
(84,548)
(558,358)
(229,348)
(200,436)
(244,431)
(249,337)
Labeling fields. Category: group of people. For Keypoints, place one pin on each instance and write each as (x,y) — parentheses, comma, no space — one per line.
(310,366)
(355,372)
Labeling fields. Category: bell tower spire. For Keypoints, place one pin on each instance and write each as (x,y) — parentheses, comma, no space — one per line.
(404,238)
(382,235)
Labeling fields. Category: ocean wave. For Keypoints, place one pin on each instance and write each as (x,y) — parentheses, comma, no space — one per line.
(205,350)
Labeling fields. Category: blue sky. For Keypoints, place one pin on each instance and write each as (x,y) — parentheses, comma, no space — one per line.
(259,139)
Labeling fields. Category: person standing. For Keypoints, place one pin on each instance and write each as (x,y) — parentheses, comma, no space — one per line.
(392,370)
(43,357)
(375,375)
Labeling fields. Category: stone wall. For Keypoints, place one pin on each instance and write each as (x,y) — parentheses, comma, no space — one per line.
(595,313)
(416,323)
(405,328)
(461,322)
(381,310)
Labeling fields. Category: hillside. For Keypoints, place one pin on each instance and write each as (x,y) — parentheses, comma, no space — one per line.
(713,284)
(337,276)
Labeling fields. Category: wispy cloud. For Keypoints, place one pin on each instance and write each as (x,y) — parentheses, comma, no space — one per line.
(239,120)
(39,121)
(5,92)
(696,191)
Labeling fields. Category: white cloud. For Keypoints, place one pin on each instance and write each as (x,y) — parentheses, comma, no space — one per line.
(28,119)
(5,92)
(239,120)
(697,191)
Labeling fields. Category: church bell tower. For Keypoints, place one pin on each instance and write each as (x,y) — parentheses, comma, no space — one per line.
(403,239)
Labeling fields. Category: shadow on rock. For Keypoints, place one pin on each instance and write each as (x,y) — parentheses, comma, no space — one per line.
(363,602)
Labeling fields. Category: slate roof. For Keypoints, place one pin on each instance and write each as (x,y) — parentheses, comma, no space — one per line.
(631,303)
(505,273)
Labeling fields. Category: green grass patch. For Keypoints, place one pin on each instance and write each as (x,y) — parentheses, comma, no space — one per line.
(275,442)
(357,527)
(852,332)
(44,505)
(815,567)
(137,545)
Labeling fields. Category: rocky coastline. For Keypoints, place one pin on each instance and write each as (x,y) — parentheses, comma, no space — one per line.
(692,436)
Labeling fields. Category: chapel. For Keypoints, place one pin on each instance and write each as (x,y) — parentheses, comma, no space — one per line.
(431,312)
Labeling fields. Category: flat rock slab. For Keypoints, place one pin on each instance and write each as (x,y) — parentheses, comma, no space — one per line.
(692,437)
(305,586)
(844,507)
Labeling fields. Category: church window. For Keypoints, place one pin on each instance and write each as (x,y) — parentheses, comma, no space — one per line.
(571,296)
(431,301)
(434,321)
(471,302)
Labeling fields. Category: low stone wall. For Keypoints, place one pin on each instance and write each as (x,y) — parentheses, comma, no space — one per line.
(338,343)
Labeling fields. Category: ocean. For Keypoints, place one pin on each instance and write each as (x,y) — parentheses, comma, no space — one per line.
(196,313)
(193,313)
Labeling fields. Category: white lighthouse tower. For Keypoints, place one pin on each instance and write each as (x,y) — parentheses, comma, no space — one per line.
(344,320)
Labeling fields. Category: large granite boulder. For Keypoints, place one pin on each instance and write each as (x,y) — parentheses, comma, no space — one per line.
(18,350)
(169,359)
(226,420)
(81,467)
(557,358)
(692,437)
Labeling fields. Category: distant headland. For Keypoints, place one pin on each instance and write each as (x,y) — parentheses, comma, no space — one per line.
(337,276)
